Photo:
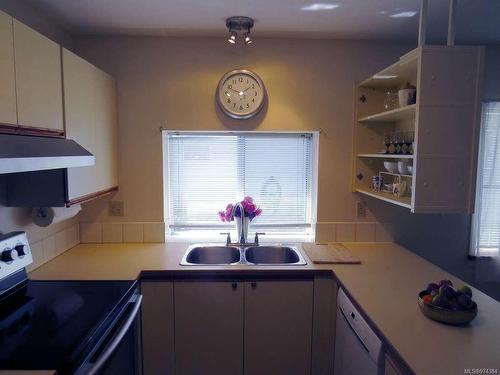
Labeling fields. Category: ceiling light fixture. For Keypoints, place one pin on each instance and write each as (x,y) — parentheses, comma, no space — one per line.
(239,25)
(320,6)
(403,14)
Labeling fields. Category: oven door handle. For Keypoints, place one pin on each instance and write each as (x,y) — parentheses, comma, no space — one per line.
(117,339)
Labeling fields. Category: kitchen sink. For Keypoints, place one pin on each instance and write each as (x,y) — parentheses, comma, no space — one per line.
(211,255)
(274,255)
(220,255)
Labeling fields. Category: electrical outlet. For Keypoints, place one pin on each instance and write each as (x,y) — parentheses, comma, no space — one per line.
(360,209)
(116,208)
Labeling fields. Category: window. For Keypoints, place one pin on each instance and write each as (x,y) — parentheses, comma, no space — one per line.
(206,171)
(485,239)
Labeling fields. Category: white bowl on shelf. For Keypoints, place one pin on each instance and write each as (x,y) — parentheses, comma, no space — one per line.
(403,167)
(410,169)
(391,166)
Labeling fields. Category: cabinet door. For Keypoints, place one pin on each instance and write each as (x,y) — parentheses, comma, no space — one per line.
(208,327)
(38,79)
(158,328)
(278,327)
(106,130)
(8,110)
(79,101)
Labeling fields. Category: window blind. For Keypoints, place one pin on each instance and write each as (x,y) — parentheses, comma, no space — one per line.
(206,171)
(485,239)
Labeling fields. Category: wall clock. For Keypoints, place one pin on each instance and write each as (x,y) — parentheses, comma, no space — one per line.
(241,94)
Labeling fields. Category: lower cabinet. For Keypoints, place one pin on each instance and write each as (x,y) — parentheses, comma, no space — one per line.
(278,327)
(227,327)
(157,318)
(208,327)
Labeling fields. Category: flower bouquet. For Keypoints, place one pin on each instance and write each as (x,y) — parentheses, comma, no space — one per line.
(250,212)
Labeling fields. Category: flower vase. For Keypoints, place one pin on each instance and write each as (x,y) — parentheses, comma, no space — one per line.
(242,223)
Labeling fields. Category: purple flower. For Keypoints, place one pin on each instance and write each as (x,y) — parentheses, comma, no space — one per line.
(250,210)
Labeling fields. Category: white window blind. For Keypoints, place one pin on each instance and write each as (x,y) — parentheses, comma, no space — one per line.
(485,239)
(206,171)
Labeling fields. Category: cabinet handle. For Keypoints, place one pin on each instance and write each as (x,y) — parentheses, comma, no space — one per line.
(254,285)
(234,286)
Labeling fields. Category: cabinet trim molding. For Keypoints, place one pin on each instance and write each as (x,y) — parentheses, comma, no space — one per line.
(90,197)
(29,130)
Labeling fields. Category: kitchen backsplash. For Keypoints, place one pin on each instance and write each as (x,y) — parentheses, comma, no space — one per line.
(155,232)
(354,232)
(122,232)
(53,245)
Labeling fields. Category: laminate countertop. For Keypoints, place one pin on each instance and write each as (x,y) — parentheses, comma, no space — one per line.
(385,286)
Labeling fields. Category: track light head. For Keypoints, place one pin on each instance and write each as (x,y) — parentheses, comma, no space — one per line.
(232,37)
(248,40)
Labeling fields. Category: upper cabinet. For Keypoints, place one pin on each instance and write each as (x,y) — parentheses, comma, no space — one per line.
(421,154)
(38,79)
(8,110)
(91,120)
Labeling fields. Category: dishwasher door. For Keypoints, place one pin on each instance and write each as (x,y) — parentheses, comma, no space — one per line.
(358,351)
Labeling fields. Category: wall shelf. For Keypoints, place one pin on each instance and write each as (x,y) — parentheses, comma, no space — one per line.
(398,114)
(385,156)
(395,75)
(387,197)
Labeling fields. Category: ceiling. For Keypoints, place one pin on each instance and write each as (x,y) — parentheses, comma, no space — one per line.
(477,20)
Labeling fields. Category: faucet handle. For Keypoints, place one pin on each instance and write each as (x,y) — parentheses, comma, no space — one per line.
(256,239)
(228,238)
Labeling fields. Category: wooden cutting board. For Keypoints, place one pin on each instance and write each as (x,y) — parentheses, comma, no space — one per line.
(322,253)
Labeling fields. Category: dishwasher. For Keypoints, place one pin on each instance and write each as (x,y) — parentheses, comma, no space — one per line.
(358,350)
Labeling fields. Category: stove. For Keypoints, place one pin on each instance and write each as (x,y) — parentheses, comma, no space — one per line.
(72,327)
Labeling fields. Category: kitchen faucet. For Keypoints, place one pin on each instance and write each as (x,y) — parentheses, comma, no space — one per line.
(242,241)
(241,236)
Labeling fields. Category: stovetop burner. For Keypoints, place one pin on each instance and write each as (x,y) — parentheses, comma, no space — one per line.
(51,324)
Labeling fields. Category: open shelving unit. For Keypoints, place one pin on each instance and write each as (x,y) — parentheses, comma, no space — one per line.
(447,80)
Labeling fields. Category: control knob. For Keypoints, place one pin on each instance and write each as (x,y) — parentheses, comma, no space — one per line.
(8,255)
(21,249)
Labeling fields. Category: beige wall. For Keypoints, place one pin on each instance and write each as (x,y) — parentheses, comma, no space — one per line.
(171,82)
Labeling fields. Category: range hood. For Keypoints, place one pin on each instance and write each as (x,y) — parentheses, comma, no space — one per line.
(22,153)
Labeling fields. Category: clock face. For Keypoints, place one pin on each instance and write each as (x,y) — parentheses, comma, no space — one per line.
(241,94)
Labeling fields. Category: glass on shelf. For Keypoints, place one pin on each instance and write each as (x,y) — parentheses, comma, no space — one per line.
(399,143)
(391,100)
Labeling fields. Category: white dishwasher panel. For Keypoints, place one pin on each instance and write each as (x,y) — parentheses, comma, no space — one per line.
(358,350)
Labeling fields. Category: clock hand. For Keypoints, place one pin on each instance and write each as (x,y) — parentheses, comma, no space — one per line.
(246,89)
(237,92)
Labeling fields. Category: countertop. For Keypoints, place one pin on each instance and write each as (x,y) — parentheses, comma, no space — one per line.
(384,285)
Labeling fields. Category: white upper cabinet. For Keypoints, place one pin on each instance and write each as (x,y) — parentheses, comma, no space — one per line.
(38,79)
(106,129)
(8,110)
(79,102)
(91,120)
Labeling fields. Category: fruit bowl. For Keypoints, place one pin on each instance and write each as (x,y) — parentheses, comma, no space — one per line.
(444,315)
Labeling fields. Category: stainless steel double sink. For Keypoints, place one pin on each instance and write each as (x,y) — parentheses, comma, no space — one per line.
(219,255)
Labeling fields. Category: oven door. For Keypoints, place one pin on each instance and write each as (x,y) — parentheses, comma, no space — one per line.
(120,351)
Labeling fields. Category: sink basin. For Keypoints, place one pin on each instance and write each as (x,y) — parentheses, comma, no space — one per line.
(211,255)
(274,255)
